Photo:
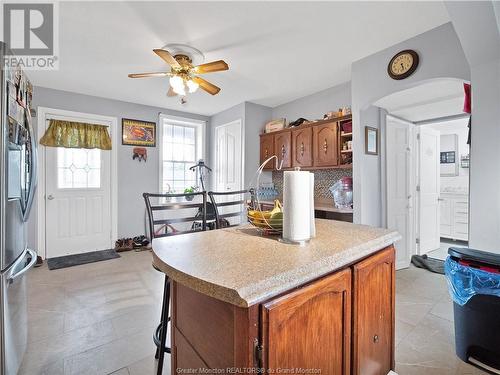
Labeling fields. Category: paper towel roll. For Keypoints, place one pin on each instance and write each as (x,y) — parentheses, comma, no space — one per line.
(311,197)
(296,206)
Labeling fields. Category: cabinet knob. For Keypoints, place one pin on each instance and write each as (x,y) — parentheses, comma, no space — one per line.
(283,150)
(375,339)
(266,153)
(302,149)
(325,146)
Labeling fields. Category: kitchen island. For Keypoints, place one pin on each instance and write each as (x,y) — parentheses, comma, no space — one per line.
(241,301)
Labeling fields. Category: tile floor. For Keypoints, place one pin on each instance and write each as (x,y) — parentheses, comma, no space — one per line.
(442,252)
(98,319)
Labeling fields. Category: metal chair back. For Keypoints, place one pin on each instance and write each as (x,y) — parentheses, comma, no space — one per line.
(222,200)
(157,204)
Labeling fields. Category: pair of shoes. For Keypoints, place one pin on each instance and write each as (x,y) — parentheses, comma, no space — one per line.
(140,241)
(124,244)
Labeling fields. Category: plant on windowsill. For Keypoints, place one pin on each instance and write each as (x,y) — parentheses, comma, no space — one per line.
(190,190)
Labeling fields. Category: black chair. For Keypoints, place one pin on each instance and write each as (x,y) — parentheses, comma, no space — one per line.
(226,199)
(156,204)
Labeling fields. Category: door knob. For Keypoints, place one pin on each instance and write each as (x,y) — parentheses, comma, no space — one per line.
(50,197)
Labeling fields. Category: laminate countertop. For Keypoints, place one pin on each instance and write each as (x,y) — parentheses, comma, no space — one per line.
(239,266)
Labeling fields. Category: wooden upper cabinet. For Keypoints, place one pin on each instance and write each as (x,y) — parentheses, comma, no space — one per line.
(325,145)
(267,149)
(302,147)
(283,147)
(373,314)
(310,328)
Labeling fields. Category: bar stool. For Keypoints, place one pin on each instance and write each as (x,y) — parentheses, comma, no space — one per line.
(163,227)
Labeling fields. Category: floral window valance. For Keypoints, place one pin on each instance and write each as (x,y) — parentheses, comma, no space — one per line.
(71,134)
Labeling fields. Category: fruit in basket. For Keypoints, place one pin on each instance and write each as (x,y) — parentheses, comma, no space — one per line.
(267,219)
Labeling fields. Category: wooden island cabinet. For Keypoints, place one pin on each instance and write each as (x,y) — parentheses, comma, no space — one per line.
(244,303)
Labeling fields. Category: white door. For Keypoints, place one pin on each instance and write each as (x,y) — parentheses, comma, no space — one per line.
(429,187)
(400,182)
(78,200)
(228,157)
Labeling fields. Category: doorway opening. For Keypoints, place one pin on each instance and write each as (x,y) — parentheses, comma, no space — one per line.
(77,190)
(427,169)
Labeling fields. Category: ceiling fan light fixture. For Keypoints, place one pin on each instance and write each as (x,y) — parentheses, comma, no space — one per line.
(192,86)
(177,84)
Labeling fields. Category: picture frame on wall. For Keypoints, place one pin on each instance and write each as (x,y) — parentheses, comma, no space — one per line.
(371,140)
(138,133)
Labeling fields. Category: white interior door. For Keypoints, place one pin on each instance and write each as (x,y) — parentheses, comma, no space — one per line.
(228,157)
(400,182)
(429,188)
(78,200)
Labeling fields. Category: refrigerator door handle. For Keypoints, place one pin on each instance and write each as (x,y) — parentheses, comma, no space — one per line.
(33,166)
(31,263)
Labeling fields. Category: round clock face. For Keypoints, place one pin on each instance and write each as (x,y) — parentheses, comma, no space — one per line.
(403,64)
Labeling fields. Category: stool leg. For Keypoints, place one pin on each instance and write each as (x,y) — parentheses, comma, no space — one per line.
(157,353)
(164,314)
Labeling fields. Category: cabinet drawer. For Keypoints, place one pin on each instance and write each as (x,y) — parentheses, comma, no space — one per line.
(461,228)
(461,206)
(461,218)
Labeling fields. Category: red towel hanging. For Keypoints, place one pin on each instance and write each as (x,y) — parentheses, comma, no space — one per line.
(467,100)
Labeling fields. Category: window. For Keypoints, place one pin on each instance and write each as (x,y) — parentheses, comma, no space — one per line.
(182,142)
(78,168)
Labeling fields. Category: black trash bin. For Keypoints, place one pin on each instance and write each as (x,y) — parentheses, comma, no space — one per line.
(474,281)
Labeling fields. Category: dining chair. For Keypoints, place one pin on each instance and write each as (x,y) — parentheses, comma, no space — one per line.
(171,215)
(229,204)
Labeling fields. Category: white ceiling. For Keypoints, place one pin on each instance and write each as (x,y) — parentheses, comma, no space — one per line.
(430,100)
(277,51)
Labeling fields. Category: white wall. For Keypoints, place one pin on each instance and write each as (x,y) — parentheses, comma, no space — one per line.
(134,178)
(314,106)
(441,56)
(477,27)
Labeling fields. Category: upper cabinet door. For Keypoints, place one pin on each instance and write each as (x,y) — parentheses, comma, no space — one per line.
(302,147)
(310,328)
(373,315)
(267,149)
(283,147)
(325,145)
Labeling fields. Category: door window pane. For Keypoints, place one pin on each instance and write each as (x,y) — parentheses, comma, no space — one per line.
(78,168)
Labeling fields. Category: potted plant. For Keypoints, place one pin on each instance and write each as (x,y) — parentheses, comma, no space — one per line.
(190,190)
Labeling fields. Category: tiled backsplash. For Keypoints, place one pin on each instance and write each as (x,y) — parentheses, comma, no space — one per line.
(323,180)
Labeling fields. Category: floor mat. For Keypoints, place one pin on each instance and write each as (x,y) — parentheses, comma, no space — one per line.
(431,264)
(78,259)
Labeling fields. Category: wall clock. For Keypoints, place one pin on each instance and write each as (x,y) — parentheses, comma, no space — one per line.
(403,64)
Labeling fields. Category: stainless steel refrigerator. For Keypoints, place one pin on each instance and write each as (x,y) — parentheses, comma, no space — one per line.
(18,184)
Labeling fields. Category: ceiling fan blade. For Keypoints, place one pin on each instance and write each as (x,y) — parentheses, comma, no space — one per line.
(167,57)
(171,92)
(144,75)
(207,86)
(214,66)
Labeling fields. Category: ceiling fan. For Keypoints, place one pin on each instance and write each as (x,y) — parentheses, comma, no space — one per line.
(183,74)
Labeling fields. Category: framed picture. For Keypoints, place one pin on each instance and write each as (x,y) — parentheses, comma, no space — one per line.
(138,133)
(371,140)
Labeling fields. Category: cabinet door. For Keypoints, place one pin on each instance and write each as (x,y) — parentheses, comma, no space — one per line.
(310,327)
(325,145)
(373,314)
(267,149)
(282,148)
(302,147)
